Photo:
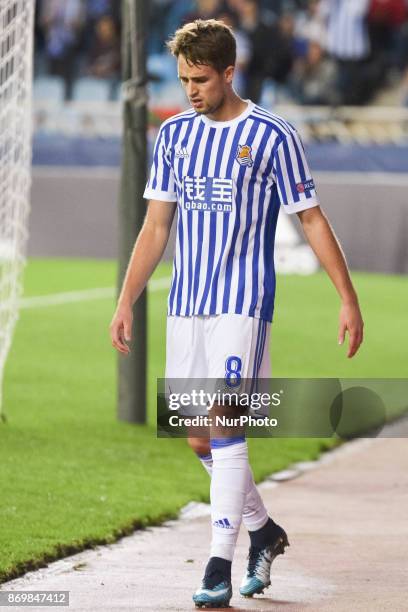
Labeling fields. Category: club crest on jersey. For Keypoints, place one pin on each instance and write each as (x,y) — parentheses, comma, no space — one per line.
(244,155)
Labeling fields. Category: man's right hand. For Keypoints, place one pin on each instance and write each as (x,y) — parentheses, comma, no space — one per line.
(121,329)
(147,252)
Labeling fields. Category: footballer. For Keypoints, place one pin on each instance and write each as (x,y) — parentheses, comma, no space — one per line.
(227,166)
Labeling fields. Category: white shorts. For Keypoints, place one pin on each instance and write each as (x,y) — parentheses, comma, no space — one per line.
(228,349)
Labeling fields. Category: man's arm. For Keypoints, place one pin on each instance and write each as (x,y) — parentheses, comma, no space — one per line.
(324,243)
(147,252)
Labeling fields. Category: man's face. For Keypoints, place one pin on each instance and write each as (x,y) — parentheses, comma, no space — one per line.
(204,86)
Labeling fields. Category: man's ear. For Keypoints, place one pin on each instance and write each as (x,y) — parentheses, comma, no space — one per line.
(229,74)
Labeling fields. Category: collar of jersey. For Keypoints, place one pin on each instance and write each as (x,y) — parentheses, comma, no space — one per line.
(230,122)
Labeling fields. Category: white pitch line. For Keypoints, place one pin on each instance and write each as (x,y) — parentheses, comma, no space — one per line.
(99,293)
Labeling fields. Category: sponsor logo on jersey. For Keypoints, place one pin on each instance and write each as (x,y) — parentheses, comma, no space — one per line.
(306,186)
(244,155)
(181,152)
(207,193)
(224,523)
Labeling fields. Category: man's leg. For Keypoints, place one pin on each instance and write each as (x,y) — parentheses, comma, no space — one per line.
(229,483)
(228,467)
(254,515)
(236,345)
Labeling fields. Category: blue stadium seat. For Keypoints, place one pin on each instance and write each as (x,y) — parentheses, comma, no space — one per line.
(163,66)
(168,94)
(91,89)
(48,89)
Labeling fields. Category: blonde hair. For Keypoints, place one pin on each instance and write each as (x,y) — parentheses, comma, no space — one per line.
(209,42)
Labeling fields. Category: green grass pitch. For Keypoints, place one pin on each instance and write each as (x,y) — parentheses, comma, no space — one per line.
(73,476)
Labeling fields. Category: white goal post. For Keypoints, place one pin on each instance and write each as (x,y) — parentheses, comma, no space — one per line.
(16,60)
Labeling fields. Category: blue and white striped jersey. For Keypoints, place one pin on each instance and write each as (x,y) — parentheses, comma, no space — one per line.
(229,179)
(347,35)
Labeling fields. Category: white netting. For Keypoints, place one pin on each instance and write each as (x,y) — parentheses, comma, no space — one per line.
(16,51)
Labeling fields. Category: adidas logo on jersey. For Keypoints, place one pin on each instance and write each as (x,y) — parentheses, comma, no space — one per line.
(181,152)
(224,523)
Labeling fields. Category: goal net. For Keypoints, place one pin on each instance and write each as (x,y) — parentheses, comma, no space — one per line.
(16,53)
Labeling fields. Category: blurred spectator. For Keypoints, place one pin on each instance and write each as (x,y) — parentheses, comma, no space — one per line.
(271,47)
(309,25)
(348,43)
(386,17)
(268,9)
(165,16)
(347,28)
(313,79)
(95,10)
(286,37)
(205,9)
(402,48)
(405,89)
(39,44)
(272,9)
(366,41)
(313,75)
(62,22)
(243,49)
(104,56)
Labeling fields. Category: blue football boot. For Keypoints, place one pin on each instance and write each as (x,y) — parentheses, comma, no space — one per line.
(215,597)
(216,589)
(258,574)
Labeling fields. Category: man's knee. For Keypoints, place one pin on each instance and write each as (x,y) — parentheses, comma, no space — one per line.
(201,446)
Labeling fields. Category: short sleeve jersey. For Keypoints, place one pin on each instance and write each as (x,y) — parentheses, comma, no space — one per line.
(229,179)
